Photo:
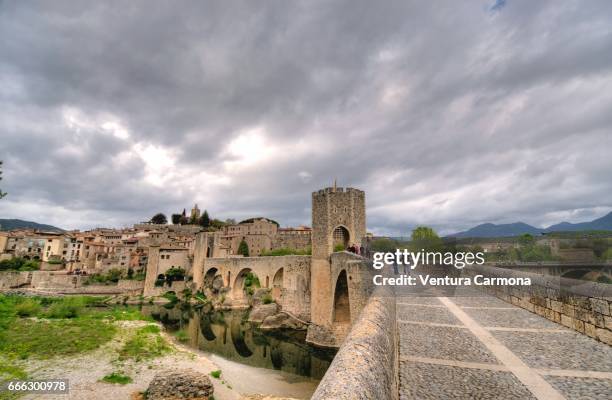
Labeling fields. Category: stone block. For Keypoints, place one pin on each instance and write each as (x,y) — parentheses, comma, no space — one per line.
(568,310)
(540,311)
(567,321)
(600,306)
(180,384)
(604,335)
(581,314)
(581,302)
(556,306)
(578,325)
(590,330)
(608,323)
(596,319)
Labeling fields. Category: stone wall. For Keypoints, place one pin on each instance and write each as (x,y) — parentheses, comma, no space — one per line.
(580,305)
(297,241)
(14,279)
(130,284)
(366,364)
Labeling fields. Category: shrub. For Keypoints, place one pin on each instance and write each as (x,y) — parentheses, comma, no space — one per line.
(175,274)
(251,280)
(170,296)
(181,336)
(267,299)
(19,264)
(286,252)
(67,307)
(27,308)
(338,247)
(30,266)
(117,378)
(216,374)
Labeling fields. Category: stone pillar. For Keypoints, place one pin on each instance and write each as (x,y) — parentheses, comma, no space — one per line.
(152,270)
(199,259)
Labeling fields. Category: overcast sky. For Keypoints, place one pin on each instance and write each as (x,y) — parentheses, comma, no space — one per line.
(445,115)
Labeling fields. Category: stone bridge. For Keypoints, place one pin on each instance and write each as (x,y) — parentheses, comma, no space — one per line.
(549,340)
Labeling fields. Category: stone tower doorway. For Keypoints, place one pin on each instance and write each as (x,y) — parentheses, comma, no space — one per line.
(342,306)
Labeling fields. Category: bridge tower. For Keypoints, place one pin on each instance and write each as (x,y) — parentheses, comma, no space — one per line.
(338,219)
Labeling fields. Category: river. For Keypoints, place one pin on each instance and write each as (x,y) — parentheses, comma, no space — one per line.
(253,361)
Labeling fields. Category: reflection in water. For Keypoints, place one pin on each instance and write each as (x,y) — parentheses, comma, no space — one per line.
(281,350)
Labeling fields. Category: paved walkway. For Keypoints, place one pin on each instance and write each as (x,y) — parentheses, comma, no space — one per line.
(484,348)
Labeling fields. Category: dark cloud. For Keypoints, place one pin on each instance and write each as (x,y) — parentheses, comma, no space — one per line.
(445,115)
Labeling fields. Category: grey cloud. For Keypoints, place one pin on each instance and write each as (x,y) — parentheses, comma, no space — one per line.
(417,104)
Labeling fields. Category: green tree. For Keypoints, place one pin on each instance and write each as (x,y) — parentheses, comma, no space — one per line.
(526,240)
(243,248)
(424,237)
(384,245)
(204,220)
(176,219)
(159,219)
(2,194)
(216,223)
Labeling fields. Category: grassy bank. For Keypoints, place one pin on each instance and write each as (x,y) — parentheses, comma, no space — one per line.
(39,328)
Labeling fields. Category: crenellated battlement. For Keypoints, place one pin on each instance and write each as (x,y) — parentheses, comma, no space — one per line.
(329,190)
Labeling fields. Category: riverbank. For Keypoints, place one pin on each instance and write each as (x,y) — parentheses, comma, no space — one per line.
(104,352)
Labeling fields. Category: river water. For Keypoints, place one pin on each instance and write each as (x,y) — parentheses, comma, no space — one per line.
(278,363)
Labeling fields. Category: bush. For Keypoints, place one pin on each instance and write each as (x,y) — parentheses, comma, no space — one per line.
(117,378)
(251,280)
(175,274)
(68,307)
(338,247)
(216,374)
(27,308)
(181,336)
(286,252)
(112,276)
(19,264)
(267,299)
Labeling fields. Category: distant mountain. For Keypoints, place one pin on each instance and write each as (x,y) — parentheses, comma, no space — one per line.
(519,228)
(9,224)
(600,224)
(501,230)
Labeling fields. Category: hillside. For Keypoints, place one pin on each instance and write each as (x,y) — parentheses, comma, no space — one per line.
(518,228)
(10,224)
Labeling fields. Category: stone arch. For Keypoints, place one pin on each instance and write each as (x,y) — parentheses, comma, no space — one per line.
(342,307)
(209,277)
(341,236)
(238,291)
(277,285)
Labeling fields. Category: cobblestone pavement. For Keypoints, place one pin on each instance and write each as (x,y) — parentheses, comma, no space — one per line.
(480,347)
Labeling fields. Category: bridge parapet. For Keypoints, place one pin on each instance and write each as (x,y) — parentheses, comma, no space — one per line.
(577,304)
